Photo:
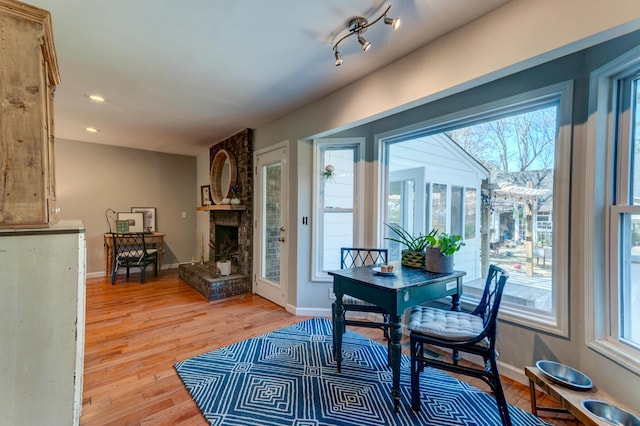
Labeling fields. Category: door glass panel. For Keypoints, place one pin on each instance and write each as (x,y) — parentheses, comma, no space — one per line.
(271,176)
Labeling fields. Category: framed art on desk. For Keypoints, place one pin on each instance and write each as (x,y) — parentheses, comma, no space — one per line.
(135,220)
(149,217)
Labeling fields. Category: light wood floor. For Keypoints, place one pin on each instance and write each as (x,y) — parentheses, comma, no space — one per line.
(136,332)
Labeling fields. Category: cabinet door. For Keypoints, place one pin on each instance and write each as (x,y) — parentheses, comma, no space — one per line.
(27,192)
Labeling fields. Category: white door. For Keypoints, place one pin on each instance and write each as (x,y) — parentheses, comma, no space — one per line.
(270,226)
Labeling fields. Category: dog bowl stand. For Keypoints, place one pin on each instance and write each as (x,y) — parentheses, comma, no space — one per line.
(569,399)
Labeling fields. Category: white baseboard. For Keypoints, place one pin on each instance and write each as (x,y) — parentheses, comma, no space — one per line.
(123,271)
(309,312)
(514,373)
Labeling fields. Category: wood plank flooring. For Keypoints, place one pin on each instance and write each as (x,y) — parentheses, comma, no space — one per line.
(136,332)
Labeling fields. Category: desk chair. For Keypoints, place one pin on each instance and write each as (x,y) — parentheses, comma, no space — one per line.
(353,257)
(130,250)
(473,332)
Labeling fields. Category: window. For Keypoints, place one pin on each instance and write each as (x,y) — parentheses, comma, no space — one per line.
(470,212)
(338,183)
(457,204)
(613,328)
(506,163)
(439,207)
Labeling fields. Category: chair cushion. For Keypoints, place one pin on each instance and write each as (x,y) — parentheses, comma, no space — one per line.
(446,325)
(133,254)
(130,254)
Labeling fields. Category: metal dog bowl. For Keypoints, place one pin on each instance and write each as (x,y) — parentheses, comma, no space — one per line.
(565,375)
(610,414)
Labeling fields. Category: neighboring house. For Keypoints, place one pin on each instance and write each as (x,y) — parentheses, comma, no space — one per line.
(435,183)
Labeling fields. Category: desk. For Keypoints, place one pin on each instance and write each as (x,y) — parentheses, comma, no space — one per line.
(154,240)
(407,288)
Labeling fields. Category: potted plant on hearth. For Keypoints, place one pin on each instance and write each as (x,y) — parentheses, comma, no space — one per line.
(439,251)
(413,255)
(222,253)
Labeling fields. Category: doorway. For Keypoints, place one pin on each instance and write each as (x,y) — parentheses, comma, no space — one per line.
(271,210)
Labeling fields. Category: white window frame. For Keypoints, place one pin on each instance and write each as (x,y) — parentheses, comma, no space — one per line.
(556,321)
(317,241)
(602,260)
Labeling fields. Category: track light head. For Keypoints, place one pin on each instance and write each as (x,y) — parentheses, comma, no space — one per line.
(365,44)
(394,22)
(358,25)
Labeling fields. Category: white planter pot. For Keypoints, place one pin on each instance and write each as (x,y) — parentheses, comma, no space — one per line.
(224,268)
(235,201)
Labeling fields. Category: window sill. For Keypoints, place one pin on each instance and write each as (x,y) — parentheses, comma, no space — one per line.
(618,353)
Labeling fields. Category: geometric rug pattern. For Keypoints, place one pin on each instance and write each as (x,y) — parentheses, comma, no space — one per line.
(288,377)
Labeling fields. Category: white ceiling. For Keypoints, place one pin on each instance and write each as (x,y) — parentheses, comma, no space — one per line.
(179,76)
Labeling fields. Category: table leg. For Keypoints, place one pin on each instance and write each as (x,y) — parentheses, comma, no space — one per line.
(395,356)
(455,298)
(338,329)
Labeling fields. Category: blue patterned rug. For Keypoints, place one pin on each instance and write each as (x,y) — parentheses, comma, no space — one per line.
(288,377)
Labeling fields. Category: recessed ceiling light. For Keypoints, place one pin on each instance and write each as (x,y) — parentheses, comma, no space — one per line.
(96,98)
(91,129)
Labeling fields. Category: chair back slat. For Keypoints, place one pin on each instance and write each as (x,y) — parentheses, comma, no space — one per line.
(353,257)
(492,295)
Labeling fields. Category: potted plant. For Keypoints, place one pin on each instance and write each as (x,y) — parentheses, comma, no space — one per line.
(222,252)
(235,191)
(413,255)
(439,251)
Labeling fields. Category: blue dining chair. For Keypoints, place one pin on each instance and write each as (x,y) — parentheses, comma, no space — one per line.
(353,257)
(472,332)
(130,251)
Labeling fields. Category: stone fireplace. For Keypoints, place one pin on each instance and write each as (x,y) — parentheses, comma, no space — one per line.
(232,222)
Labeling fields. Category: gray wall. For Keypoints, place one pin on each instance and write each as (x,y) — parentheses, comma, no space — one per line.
(92,177)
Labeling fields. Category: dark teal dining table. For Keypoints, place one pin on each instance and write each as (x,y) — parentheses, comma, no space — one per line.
(405,288)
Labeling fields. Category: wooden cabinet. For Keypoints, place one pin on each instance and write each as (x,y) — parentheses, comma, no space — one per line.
(27,146)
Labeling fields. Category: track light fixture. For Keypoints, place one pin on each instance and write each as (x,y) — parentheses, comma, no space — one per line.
(338,58)
(365,44)
(359,25)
